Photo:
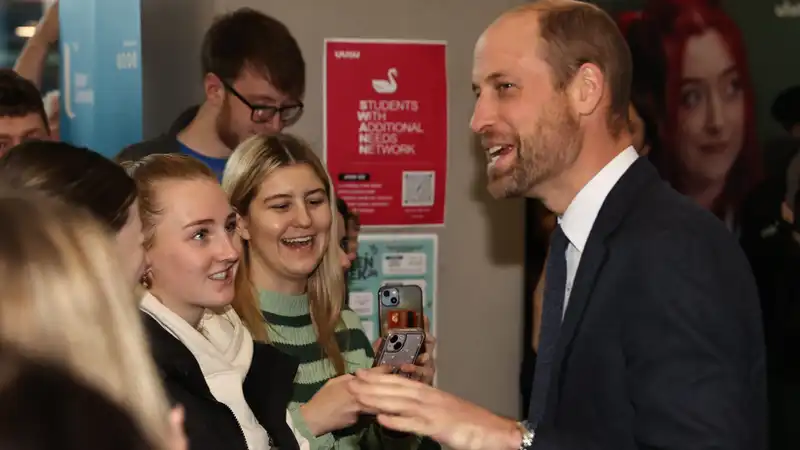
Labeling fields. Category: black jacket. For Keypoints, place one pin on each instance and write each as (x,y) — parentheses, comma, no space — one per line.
(211,425)
(165,143)
(662,344)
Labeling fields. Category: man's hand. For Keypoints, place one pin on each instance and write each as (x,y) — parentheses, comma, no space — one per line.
(414,407)
(333,407)
(424,368)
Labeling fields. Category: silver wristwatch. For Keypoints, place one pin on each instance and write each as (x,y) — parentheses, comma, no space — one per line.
(526,429)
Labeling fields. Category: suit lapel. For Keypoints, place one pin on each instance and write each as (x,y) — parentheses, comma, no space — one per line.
(592,260)
(611,215)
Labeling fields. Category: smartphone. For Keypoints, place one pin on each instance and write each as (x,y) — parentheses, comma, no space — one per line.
(400,307)
(400,347)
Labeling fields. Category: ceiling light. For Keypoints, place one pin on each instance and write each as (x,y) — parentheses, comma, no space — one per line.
(25,31)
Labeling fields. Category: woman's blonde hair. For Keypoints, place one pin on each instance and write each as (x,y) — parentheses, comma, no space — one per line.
(251,163)
(151,170)
(65,300)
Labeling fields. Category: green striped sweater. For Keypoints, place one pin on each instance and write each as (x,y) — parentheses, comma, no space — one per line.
(290,330)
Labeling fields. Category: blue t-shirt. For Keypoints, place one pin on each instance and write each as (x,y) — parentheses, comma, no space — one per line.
(217,165)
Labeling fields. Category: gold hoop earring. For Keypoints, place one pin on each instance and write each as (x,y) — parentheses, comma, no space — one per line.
(147,279)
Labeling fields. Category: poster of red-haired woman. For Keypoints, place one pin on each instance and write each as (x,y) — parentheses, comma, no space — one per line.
(693,82)
(706,77)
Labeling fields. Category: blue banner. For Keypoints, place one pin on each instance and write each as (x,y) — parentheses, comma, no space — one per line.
(101,74)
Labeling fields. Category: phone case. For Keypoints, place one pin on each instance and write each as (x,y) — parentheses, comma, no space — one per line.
(403,318)
(400,347)
(400,306)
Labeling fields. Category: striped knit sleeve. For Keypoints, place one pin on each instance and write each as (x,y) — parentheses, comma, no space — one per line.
(359,353)
(305,438)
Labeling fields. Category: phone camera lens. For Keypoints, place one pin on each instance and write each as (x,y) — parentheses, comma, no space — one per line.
(394,300)
(396,346)
(393,339)
(385,293)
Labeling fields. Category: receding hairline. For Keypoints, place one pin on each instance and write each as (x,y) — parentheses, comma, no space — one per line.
(532,13)
(536,10)
(541,6)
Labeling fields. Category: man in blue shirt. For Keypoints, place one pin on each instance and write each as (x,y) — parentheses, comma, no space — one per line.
(254,82)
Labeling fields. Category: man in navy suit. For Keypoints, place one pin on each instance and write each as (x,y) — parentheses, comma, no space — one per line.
(651,331)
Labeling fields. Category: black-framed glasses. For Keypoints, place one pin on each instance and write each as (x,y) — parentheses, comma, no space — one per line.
(289,114)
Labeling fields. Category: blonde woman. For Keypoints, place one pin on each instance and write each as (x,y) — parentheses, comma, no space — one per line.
(290,287)
(65,300)
(235,391)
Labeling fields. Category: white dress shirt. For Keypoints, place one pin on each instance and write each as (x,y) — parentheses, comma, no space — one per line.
(578,219)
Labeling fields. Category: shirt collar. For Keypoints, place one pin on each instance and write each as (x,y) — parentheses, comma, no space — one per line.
(578,219)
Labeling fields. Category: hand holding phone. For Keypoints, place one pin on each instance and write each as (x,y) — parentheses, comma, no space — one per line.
(400,306)
(400,347)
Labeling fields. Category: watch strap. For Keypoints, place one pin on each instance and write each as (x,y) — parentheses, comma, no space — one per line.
(528,433)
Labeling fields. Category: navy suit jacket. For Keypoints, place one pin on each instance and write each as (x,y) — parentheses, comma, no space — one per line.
(661,345)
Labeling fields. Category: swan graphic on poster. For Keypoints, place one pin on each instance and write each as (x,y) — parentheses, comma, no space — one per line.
(386,86)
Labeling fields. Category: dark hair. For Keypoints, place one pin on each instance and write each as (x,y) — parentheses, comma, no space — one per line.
(786,107)
(75,175)
(576,33)
(341,206)
(43,407)
(649,75)
(19,97)
(246,37)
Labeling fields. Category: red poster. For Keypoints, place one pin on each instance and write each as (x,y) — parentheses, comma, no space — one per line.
(386,129)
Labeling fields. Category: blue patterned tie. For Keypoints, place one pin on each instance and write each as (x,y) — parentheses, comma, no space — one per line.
(552,312)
